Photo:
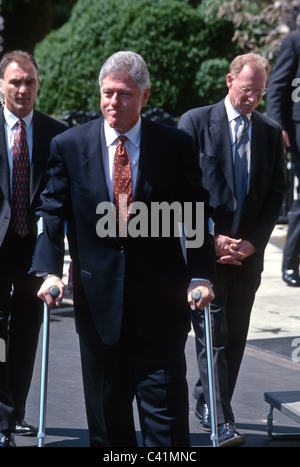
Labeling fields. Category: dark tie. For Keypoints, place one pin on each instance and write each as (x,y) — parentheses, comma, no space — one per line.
(122,185)
(20,181)
(242,154)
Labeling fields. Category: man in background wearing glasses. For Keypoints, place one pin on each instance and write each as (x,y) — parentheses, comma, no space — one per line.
(241,157)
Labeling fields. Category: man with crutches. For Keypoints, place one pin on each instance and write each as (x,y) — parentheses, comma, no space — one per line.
(130,289)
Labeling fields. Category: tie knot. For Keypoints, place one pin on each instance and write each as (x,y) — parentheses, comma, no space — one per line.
(121,151)
(20,123)
(122,139)
(241,126)
(244,119)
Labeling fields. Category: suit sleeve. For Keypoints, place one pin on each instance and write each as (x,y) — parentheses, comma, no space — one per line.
(279,96)
(272,204)
(201,260)
(186,124)
(49,251)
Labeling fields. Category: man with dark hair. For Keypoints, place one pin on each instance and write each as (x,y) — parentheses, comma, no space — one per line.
(18,56)
(25,136)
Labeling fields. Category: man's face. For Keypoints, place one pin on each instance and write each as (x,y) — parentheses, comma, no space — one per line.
(245,91)
(21,85)
(122,101)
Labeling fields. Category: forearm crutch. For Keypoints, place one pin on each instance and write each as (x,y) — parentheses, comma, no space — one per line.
(196,295)
(54,291)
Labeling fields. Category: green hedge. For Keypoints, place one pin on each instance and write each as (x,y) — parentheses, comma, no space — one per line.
(175,39)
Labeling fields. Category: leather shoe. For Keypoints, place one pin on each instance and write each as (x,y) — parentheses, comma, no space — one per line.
(291,277)
(7,441)
(228,436)
(23,428)
(202,413)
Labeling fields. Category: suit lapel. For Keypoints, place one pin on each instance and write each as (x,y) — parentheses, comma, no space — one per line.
(258,138)
(149,161)
(4,167)
(40,154)
(219,129)
(92,161)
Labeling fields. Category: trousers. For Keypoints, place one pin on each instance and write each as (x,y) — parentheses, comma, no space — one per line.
(20,322)
(230,316)
(154,374)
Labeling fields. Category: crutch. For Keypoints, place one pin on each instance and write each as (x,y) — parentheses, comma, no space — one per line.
(54,291)
(196,295)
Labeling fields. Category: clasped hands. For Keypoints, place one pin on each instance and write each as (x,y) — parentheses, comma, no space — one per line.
(231,250)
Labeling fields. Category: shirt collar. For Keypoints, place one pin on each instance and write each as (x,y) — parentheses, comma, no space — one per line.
(134,134)
(11,119)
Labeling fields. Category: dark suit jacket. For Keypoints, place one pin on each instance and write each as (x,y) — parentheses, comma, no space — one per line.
(281,105)
(149,275)
(44,129)
(210,131)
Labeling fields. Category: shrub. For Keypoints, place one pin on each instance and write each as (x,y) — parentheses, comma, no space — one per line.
(174,38)
(211,76)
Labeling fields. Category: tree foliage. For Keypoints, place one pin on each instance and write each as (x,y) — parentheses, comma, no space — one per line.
(187,44)
(258,26)
(26,22)
(175,39)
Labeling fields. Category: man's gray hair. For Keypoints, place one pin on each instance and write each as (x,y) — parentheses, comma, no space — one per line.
(130,62)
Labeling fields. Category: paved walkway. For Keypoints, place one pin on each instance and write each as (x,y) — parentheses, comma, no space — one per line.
(276,311)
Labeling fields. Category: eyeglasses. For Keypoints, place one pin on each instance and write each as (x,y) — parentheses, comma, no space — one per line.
(259,92)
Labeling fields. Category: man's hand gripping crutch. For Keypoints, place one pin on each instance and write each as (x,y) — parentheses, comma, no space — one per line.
(51,292)
(200,294)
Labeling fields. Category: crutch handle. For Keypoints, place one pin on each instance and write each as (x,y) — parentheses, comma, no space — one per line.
(54,291)
(196,295)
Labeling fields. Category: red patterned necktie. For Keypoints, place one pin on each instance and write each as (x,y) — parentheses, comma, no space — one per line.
(20,180)
(122,185)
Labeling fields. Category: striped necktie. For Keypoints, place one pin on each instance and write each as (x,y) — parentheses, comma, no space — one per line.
(20,181)
(242,155)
